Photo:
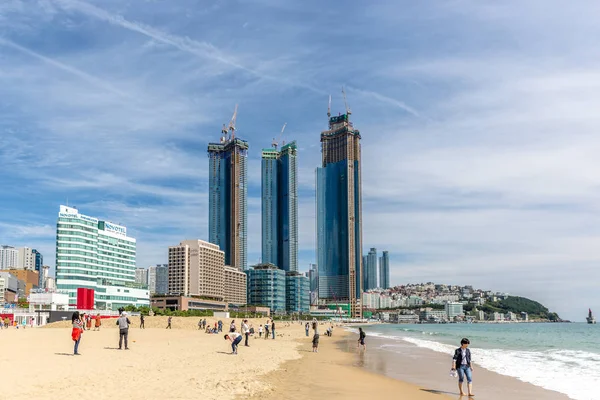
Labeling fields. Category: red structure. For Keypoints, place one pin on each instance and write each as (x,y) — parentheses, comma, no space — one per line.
(85,299)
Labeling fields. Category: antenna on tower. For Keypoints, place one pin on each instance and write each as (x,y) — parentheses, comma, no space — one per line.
(348,111)
(329,107)
(231,127)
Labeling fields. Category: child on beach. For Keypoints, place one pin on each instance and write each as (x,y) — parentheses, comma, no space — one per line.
(461,363)
(361,339)
(235,339)
(260,329)
(315,342)
(98,323)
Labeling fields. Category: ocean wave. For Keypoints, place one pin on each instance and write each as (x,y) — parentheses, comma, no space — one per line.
(574,373)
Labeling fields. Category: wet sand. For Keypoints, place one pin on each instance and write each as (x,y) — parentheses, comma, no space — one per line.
(427,368)
(333,374)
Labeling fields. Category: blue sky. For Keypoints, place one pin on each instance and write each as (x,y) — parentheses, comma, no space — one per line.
(479,122)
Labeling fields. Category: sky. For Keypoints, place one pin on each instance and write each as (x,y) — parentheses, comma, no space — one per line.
(479,123)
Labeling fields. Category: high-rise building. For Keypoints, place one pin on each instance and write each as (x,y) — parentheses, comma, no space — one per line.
(26,259)
(228,197)
(297,293)
(9,257)
(158,279)
(339,215)
(370,270)
(266,287)
(39,264)
(384,271)
(280,207)
(197,268)
(94,254)
(313,276)
(141,276)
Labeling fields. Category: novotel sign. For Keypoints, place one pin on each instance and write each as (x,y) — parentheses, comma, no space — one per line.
(79,216)
(115,228)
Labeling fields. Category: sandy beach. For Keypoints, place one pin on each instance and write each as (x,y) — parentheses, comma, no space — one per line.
(185,363)
(181,363)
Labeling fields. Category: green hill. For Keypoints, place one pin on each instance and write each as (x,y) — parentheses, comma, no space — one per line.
(517,305)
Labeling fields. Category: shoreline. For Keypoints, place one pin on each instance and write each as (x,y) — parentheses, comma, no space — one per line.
(407,362)
(333,374)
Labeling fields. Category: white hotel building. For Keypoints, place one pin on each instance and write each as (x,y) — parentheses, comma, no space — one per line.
(97,255)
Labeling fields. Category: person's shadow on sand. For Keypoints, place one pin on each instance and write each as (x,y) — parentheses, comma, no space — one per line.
(441,392)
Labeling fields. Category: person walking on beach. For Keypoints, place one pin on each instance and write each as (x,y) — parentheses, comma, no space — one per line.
(142,326)
(315,342)
(273,328)
(123,323)
(461,363)
(76,332)
(235,339)
(260,329)
(361,339)
(232,326)
(267,330)
(220,326)
(246,331)
(169,323)
(306,328)
(98,323)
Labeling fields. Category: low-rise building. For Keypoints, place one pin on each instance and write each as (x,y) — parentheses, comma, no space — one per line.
(185,303)
(41,299)
(266,287)
(430,315)
(30,278)
(453,310)
(297,293)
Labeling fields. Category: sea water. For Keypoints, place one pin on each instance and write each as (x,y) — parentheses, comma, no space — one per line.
(561,357)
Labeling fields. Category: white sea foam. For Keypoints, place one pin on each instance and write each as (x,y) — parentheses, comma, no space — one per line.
(574,373)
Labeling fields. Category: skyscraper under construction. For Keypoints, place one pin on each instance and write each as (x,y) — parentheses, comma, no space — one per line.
(228,196)
(280,206)
(339,214)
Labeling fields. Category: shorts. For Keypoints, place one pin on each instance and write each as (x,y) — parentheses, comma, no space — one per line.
(361,342)
(462,371)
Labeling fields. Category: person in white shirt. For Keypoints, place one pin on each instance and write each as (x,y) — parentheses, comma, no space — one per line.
(260,329)
(235,339)
(246,331)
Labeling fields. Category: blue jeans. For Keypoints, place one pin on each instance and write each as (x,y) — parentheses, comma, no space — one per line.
(75,350)
(462,371)
(306,332)
(235,343)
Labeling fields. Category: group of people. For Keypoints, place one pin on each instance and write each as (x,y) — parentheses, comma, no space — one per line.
(6,323)
(87,320)
(80,322)
(236,337)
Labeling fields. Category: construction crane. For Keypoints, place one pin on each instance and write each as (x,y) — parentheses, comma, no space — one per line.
(231,126)
(329,107)
(348,111)
(275,143)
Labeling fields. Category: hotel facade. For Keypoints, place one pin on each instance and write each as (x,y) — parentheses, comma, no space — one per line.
(98,255)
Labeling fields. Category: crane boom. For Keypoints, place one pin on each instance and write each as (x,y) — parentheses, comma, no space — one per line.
(231,127)
(348,111)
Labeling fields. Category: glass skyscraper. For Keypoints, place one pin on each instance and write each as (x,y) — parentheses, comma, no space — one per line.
(228,199)
(384,271)
(97,255)
(280,207)
(339,214)
(370,270)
